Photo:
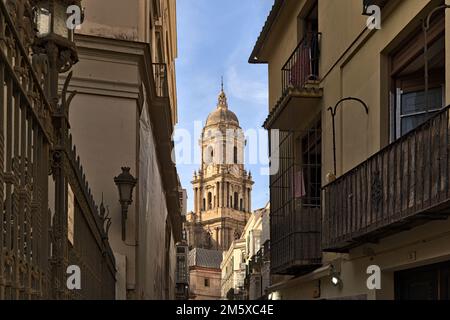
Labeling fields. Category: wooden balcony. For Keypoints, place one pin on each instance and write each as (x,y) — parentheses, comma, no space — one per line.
(404,185)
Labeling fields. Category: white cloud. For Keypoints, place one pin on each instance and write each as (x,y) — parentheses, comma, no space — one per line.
(246,88)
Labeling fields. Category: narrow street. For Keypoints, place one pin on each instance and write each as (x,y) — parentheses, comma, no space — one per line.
(225,156)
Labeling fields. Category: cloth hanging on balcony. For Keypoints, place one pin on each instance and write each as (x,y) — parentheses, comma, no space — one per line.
(301,68)
(299,182)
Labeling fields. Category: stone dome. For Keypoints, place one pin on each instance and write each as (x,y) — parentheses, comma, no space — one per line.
(222,115)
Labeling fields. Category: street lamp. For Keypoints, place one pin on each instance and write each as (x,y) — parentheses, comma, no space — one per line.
(125,182)
(51,18)
(55,38)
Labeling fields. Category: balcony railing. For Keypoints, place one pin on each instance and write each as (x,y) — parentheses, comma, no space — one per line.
(303,64)
(266,251)
(161,81)
(403,185)
(295,219)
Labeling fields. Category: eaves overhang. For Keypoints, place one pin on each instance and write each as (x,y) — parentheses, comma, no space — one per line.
(285,99)
(274,12)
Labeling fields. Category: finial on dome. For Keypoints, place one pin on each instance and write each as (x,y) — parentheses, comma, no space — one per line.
(222,104)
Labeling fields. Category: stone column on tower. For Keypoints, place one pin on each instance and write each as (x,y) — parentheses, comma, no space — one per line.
(195,200)
(249,200)
(244,199)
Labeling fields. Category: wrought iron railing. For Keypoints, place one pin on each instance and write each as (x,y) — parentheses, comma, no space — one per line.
(406,181)
(25,139)
(295,218)
(161,80)
(303,64)
(33,254)
(90,249)
(266,251)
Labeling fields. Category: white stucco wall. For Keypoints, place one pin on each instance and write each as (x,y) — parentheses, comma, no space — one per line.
(153,215)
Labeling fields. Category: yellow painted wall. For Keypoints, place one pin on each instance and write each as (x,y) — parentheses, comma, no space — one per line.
(354,63)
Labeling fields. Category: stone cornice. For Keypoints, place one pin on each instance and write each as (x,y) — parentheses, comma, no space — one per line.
(127,54)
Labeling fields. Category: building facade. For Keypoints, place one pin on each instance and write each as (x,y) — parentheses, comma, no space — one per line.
(222,186)
(257,258)
(246,265)
(182,271)
(233,269)
(123,116)
(361,121)
(204,274)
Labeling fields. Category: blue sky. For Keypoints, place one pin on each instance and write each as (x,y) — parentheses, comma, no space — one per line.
(215,38)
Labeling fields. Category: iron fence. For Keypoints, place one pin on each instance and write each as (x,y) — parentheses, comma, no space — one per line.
(34,244)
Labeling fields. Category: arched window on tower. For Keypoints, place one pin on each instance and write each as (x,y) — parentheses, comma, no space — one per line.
(241,205)
(209,155)
(209,200)
(235,155)
(236,201)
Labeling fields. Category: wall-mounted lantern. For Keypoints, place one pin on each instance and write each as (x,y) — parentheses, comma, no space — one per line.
(336,279)
(125,183)
(52,18)
(56,21)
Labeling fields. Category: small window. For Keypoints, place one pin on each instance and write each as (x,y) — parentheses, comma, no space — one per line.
(206,282)
(209,155)
(307,180)
(180,250)
(209,200)
(156,9)
(413,108)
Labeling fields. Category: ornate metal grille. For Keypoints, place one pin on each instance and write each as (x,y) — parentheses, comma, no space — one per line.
(25,131)
(34,248)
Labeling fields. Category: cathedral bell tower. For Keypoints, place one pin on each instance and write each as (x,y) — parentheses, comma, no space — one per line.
(222,186)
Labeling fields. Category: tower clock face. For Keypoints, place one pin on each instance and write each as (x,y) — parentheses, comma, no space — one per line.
(209,169)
